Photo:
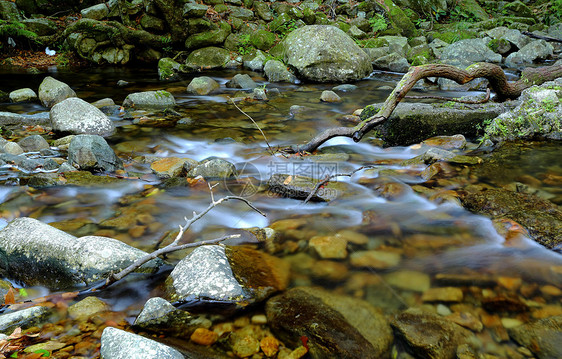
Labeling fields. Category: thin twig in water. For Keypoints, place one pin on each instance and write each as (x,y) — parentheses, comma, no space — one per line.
(174,246)
(255,123)
(328,178)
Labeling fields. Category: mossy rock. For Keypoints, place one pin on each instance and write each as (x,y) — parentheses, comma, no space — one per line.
(208,58)
(85,178)
(471,7)
(220,8)
(453,36)
(209,38)
(277,24)
(374,43)
(262,39)
(399,19)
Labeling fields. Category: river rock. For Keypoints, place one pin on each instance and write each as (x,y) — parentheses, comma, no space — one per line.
(33,143)
(208,58)
(35,253)
(76,116)
(25,164)
(119,344)
(540,217)
(539,115)
(231,276)
(542,337)
(241,81)
(203,85)
(192,9)
(535,50)
(11,148)
(149,100)
(466,52)
(276,71)
(170,167)
(168,69)
(392,62)
(158,315)
(87,307)
(256,61)
(92,153)
(330,96)
(25,318)
(52,91)
(11,119)
(23,95)
(9,11)
(213,168)
(325,53)
(335,325)
(96,12)
(428,335)
(300,187)
(414,122)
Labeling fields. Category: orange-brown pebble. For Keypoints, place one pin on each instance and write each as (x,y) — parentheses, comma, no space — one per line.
(510,283)
(204,336)
(269,346)
(298,353)
(551,290)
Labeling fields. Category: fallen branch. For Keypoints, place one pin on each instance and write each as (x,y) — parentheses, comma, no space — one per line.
(174,246)
(497,80)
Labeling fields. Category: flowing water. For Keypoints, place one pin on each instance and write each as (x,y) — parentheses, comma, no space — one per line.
(432,238)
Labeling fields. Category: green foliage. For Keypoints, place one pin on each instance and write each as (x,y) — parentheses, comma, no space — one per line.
(286,28)
(245,47)
(458,14)
(15,29)
(378,23)
(558,9)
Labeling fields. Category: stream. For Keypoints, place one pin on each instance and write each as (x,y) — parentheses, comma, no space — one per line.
(387,207)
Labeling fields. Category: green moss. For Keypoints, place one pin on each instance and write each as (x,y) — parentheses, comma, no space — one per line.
(399,19)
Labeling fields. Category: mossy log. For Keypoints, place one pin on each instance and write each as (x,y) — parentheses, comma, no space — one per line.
(497,80)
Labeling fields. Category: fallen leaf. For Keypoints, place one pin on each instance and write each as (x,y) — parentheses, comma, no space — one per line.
(9,297)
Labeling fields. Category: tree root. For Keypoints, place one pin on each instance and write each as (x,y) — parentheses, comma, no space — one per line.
(498,83)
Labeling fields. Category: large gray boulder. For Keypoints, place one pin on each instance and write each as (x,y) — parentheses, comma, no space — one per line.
(342,327)
(25,318)
(92,153)
(414,122)
(542,337)
(150,100)
(233,276)
(325,53)
(34,253)
(539,115)
(119,344)
(52,91)
(76,116)
(466,52)
(535,50)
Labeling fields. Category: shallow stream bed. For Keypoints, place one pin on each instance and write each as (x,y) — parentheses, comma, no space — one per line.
(405,232)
